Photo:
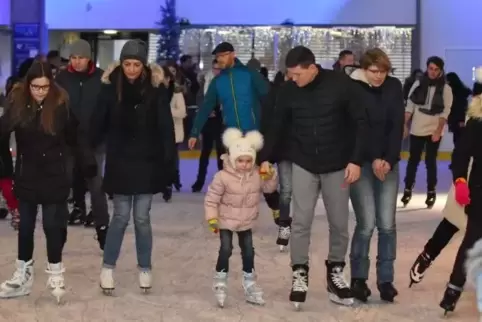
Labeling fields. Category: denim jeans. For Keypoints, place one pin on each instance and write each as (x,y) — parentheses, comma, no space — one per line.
(374,203)
(285,169)
(140,206)
(245,240)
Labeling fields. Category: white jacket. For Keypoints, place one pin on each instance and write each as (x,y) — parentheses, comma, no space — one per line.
(178,110)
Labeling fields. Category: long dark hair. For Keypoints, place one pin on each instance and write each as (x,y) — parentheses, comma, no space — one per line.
(21,100)
(458,87)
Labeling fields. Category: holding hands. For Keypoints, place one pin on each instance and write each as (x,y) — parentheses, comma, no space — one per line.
(381,168)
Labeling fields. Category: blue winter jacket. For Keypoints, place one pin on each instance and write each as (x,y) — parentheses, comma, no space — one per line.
(239,91)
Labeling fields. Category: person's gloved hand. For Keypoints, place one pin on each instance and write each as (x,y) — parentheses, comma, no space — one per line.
(462,192)
(213,225)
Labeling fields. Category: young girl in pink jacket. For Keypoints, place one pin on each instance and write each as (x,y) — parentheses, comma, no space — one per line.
(232,205)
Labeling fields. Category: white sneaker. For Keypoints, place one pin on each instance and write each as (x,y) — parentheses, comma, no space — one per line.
(145,280)
(56,282)
(107,283)
(21,282)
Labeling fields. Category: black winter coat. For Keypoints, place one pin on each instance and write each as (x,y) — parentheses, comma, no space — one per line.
(41,173)
(138,132)
(6,162)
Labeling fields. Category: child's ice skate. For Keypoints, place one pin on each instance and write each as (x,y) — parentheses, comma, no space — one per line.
(107,283)
(15,221)
(145,281)
(55,281)
(220,287)
(450,299)
(417,272)
(252,291)
(21,282)
(284,233)
(299,285)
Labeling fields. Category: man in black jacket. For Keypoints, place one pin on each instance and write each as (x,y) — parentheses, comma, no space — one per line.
(82,81)
(325,145)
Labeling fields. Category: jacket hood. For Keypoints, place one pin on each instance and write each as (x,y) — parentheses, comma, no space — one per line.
(229,167)
(475,108)
(359,75)
(157,74)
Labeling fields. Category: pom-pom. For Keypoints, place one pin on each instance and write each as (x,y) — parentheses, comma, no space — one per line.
(255,139)
(230,136)
(478,75)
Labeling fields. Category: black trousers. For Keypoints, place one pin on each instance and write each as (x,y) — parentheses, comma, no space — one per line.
(211,137)
(440,238)
(419,144)
(245,241)
(54,221)
(472,234)
(457,134)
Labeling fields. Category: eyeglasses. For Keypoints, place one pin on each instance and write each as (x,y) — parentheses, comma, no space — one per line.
(39,88)
(377,72)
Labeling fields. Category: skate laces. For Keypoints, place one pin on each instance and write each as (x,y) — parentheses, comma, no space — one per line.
(338,279)
(300,281)
(284,232)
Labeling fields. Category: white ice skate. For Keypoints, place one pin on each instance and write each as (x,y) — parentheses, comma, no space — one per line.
(145,281)
(107,283)
(220,287)
(21,282)
(252,291)
(55,281)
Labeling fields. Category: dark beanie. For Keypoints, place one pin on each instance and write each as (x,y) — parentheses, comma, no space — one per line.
(437,61)
(134,49)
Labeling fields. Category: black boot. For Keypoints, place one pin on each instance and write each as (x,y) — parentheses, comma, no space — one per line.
(431,197)
(338,289)
(197,186)
(451,297)
(89,219)
(360,290)
(167,194)
(417,272)
(77,216)
(299,285)
(387,292)
(407,196)
(101,235)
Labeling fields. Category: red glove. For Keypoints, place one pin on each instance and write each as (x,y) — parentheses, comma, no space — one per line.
(462,192)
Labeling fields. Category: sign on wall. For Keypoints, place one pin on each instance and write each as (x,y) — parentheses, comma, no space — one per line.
(26,43)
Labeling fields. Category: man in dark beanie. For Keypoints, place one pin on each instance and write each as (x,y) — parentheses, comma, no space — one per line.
(428,108)
(82,81)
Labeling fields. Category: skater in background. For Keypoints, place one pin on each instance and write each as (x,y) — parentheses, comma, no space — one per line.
(211,135)
(428,108)
(416,75)
(134,117)
(6,167)
(460,93)
(38,113)
(232,205)
(81,80)
(345,58)
(374,195)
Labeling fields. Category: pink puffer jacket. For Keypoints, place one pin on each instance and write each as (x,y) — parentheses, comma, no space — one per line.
(233,197)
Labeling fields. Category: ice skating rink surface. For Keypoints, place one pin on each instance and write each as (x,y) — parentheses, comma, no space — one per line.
(184,257)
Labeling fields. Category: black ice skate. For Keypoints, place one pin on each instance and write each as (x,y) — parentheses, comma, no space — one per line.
(417,272)
(387,292)
(451,297)
(197,186)
(167,194)
(299,285)
(284,233)
(360,290)
(101,235)
(3,213)
(338,289)
(431,197)
(407,196)
(76,217)
(89,219)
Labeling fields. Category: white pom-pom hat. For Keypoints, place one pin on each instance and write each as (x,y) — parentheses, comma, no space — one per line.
(478,74)
(242,145)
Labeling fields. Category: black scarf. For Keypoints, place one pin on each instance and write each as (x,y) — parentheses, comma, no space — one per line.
(419,95)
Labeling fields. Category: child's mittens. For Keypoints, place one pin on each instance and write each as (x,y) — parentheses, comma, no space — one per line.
(213,225)
(267,175)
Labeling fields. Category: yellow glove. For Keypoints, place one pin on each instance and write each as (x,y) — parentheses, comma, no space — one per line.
(267,175)
(213,225)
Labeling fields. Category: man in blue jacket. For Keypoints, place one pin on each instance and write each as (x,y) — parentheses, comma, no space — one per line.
(239,90)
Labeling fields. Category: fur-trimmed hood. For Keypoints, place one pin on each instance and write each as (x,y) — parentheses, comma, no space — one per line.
(157,74)
(475,108)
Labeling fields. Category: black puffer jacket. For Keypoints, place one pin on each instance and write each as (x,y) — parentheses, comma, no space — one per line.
(138,132)
(41,174)
(327,122)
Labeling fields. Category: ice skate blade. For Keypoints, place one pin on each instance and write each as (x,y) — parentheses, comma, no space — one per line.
(58,294)
(146,290)
(337,300)
(255,302)
(297,305)
(221,299)
(7,295)
(281,249)
(107,291)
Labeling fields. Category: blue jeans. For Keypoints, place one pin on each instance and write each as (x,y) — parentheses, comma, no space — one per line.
(374,203)
(245,241)
(140,206)
(285,169)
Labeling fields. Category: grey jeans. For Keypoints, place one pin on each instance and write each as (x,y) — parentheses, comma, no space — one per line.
(335,195)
